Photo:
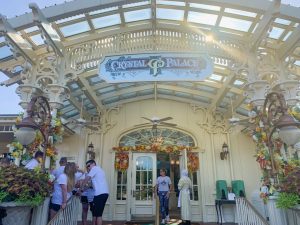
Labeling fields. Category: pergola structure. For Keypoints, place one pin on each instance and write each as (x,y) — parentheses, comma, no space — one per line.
(255,49)
(56,51)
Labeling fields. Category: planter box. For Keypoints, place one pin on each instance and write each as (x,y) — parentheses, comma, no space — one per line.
(40,213)
(277,216)
(293,215)
(17,213)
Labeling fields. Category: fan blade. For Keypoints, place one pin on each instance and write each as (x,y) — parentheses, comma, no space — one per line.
(91,127)
(146,118)
(142,124)
(165,119)
(169,124)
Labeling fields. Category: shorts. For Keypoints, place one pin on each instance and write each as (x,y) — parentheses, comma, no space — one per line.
(84,200)
(99,204)
(55,207)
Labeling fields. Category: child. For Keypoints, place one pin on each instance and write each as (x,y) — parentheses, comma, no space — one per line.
(163,186)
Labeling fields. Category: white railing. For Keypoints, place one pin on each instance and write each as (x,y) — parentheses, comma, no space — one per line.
(67,216)
(88,55)
(247,214)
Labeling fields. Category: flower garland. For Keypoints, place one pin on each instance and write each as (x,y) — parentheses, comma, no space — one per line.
(153,148)
(17,150)
(193,162)
(121,161)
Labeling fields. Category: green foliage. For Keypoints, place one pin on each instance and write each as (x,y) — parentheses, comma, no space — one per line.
(291,182)
(287,200)
(3,196)
(25,186)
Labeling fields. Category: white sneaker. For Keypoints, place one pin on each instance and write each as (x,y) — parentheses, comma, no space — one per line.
(163,221)
(168,218)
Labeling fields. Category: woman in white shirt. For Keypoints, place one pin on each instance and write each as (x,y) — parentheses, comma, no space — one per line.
(63,187)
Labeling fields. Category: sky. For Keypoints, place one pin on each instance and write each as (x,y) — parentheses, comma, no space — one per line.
(8,98)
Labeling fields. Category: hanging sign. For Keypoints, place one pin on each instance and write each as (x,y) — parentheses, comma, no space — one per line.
(156,67)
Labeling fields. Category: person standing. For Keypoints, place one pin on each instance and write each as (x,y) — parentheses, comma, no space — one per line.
(63,187)
(184,202)
(87,197)
(163,187)
(62,163)
(35,162)
(100,188)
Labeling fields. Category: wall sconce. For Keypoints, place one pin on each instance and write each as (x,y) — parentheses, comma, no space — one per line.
(172,161)
(91,151)
(224,152)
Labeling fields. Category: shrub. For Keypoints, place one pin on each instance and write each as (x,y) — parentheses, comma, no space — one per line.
(289,190)
(24,186)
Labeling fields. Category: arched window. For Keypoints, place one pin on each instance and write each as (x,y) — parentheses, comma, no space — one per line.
(145,136)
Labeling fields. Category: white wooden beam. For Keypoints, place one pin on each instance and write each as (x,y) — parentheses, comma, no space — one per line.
(222,91)
(290,44)
(261,31)
(18,43)
(79,107)
(96,101)
(51,36)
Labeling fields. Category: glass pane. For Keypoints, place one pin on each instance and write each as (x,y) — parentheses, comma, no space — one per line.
(195,181)
(150,181)
(5,52)
(169,14)
(137,15)
(276,32)
(240,12)
(138,192)
(195,193)
(119,178)
(119,192)
(236,24)
(138,177)
(124,180)
(204,18)
(202,6)
(144,177)
(142,137)
(124,193)
(106,21)
(75,28)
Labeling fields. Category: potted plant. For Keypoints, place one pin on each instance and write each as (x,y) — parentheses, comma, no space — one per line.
(20,190)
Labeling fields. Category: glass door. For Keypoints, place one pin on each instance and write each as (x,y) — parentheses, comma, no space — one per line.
(143,181)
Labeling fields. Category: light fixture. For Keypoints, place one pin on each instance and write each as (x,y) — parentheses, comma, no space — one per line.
(39,118)
(275,116)
(172,161)
(91,151)
(224,153)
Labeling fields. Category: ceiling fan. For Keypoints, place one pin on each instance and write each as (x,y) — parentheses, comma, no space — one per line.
(81,122)
(156,121)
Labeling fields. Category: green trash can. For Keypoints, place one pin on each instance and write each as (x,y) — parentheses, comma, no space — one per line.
(238,188)
(221,187)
